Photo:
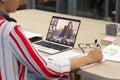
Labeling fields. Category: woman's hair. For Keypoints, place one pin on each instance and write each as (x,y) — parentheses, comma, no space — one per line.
(71,24)
(1,1)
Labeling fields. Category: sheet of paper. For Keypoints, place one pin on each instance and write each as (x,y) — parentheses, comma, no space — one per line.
(112,52)
(32,34)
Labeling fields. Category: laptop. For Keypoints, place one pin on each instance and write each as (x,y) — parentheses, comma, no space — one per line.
(61,35)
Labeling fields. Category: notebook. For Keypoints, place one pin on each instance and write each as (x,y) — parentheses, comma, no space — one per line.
(61,35)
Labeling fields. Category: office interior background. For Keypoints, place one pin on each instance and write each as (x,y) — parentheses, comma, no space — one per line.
(108,10)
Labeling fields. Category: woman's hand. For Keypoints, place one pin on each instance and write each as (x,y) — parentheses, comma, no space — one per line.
(95,55)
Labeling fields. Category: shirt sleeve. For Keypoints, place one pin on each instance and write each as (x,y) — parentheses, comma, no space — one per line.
(25,52)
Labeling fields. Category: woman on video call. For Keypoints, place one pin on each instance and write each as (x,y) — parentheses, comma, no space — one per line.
(66,33)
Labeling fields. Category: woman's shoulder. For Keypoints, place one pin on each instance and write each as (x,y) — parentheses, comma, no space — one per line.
(9,24)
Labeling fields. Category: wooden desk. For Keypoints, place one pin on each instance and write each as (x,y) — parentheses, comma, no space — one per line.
(90,29)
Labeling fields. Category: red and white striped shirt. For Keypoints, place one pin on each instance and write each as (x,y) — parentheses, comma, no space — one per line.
(17,54)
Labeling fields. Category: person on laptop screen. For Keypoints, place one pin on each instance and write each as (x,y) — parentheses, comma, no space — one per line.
(52,28)
(66,33)
(17,53)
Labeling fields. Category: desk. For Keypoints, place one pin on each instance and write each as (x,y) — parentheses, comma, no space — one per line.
(90,29)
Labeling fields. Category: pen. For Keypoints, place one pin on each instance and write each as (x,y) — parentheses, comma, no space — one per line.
(96,43)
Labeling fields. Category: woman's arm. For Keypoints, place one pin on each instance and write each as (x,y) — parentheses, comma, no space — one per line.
(26,54)
(92,57)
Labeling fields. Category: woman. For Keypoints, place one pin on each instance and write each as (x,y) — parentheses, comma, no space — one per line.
(67,31)
(17,54)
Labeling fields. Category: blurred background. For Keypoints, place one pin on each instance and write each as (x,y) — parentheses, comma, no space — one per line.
(108,10)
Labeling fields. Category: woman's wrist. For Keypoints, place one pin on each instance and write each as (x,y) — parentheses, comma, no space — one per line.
(89,60)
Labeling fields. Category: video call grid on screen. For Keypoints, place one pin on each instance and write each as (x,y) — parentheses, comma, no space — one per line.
(60,32)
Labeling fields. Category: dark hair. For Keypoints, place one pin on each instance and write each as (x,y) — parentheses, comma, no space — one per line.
(1,1)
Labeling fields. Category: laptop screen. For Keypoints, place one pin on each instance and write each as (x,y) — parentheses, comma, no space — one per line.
(63,30)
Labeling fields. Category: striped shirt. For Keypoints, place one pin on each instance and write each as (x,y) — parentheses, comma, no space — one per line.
(17,54)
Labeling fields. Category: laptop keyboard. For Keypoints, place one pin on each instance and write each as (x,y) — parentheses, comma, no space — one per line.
(53,46)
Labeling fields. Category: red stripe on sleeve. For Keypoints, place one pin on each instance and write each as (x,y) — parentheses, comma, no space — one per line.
(2,18)
(21,77)
(1,23)
(64,74)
